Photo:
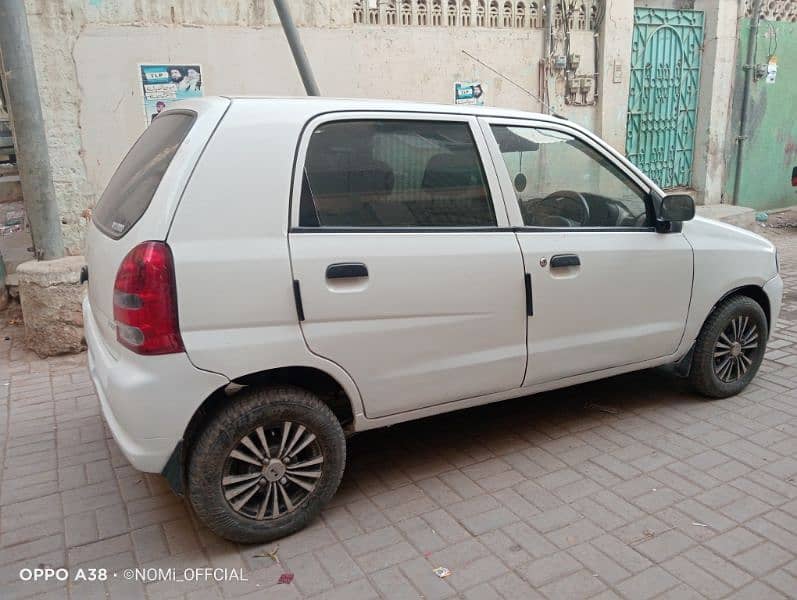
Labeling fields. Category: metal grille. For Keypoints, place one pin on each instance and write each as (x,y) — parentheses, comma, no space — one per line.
(662,100)
(505,14)
(774,10)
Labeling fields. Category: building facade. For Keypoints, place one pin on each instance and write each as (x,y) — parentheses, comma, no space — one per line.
(654,78)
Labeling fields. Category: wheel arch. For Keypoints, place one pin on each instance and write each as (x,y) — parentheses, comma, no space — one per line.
(752,291)
(329,390)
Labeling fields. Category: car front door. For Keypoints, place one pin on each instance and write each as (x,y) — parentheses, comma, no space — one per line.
(410,278)
(607,290)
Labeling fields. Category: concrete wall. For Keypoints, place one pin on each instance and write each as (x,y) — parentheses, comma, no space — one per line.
(615,70)
(771,148)
(674,4)
(87,55)
(714,140)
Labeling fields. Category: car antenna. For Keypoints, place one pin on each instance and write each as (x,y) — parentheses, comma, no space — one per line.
(517,85)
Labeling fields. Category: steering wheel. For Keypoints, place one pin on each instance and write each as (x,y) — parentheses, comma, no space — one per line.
(560,203)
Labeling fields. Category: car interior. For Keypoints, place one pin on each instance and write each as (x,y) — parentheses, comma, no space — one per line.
(426,174)
(558,160)
(394,174)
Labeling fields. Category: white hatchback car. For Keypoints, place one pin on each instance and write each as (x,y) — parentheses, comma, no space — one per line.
(267,276)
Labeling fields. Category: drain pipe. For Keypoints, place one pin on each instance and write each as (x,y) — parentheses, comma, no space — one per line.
(25,110)
(749,69)
(549,27)
(289,27)
(547,52)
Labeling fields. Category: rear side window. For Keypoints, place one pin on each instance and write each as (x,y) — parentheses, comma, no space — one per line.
(132,187)
(371,173)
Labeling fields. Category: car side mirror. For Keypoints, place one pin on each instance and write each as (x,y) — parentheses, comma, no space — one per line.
(677,207)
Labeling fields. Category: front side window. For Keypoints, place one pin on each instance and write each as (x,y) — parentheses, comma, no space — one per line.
(560,181)
(392,173)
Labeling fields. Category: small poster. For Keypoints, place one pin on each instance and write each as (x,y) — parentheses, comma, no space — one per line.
(165,84)
(772,69)
(468,92)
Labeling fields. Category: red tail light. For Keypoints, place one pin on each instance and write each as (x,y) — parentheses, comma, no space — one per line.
(145,301)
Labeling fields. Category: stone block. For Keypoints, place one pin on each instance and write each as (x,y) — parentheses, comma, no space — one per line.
(51,296)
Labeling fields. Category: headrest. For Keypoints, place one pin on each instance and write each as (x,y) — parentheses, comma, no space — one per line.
(451,170)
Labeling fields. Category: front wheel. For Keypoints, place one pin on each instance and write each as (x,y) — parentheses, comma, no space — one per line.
(266,464)
(730,348)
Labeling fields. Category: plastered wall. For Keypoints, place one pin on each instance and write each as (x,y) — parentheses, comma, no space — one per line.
(87,54)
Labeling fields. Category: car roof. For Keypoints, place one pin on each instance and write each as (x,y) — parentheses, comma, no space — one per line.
(309,105)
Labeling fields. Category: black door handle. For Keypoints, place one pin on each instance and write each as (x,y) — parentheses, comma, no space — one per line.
(346,270)
(565,260)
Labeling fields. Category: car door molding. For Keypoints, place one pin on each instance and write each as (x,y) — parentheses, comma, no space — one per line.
(486,229)
(406,230)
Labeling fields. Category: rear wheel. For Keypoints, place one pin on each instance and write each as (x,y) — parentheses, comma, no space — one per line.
(730,348)
(266,464)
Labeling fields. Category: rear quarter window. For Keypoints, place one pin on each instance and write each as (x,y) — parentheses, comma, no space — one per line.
(134,183)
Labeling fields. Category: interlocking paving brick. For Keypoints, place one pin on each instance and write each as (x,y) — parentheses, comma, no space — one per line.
(664,545)
(581,584)
(386,557)
(783,581)
(669,497)
(488,521)
(599,563)
(547,569)
(393,584)
(554,519)
(735,541)
(371,542)
(504,548)
(419,572)
(580,531)
(511,585)
(756,591)
(700,580)
(719,567)
(649,583)
(763,558)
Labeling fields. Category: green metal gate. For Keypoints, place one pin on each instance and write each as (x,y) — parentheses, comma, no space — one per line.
(662,99)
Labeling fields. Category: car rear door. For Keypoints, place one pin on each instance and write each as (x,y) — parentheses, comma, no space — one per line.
(607,289)
(408,275)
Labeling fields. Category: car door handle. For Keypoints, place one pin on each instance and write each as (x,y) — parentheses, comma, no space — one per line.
(565,260)
(346,270)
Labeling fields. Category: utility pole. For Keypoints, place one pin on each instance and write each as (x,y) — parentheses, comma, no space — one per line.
(749,68)
(289,27)
(24,107)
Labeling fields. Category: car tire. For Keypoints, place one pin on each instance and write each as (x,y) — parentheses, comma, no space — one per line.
(730,348)
(222,464)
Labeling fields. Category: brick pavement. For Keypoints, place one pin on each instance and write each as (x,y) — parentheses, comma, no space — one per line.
(631,487)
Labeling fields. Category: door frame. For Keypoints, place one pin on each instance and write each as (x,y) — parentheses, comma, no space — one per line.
(652,193)
(502,217)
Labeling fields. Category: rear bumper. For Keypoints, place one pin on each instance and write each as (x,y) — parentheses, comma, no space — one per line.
(774,291)
(147,401)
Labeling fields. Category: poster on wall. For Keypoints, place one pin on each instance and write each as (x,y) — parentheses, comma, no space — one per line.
(166,84)
(468,92)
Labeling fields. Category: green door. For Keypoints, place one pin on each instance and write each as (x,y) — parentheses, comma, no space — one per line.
(662,99)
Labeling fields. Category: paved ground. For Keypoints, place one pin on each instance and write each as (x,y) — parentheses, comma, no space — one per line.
(632,487)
